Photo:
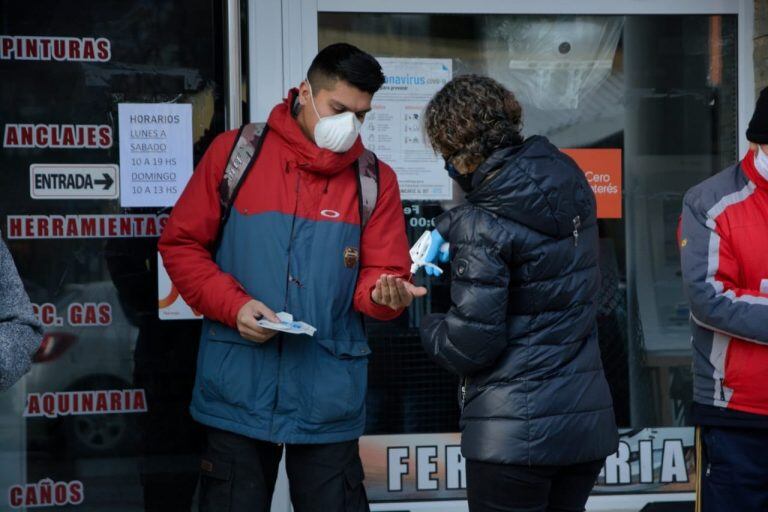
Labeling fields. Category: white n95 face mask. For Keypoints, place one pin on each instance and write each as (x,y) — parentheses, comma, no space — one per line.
(336,133)
(761,162)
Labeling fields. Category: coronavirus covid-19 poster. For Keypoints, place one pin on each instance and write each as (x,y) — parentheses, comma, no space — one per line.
(394,127)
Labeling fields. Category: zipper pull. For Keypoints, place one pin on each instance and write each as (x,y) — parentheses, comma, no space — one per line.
(576,227)
(463,392)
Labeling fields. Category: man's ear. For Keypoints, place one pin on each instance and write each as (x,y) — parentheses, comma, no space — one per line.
(304,93)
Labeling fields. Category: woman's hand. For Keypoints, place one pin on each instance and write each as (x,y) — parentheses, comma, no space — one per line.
(438,251)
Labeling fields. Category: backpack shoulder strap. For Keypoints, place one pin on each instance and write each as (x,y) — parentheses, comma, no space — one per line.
(367,185)
(241,159)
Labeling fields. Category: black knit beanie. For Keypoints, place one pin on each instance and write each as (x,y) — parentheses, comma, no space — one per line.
(758,126)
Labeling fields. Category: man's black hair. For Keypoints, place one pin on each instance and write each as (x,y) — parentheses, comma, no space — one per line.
(342,61)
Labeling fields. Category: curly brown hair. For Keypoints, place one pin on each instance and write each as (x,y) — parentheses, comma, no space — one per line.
(471,117)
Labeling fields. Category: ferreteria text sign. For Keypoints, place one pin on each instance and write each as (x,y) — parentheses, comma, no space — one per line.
(426,467)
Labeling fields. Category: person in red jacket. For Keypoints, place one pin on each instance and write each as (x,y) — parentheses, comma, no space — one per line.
(294,242)
(724,255)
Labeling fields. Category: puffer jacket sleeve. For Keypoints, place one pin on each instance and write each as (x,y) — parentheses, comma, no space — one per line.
(20,331)
(473,334)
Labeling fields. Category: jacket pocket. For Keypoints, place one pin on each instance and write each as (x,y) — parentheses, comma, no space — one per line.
(221,332)
(718,470)
(231,368)
(215,485)
(341,379)
(745,364)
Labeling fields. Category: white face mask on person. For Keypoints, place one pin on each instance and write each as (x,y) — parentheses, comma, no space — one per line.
(761,162)
(336,133)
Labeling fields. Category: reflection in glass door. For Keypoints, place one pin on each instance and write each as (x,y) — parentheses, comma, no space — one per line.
(659,92)
(662,89)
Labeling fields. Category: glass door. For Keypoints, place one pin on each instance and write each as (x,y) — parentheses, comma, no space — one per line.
(647,98)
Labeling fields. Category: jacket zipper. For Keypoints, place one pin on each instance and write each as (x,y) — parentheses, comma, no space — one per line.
(576,227)
(464,383)
(288,279)
(277,385)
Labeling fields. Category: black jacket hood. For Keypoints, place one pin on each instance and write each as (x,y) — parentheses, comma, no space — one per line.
(536,185)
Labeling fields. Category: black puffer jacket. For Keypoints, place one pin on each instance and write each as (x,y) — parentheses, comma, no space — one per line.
(522,330)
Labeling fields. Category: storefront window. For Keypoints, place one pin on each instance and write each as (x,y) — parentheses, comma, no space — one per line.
(102,416)
(103,411)
(659,89)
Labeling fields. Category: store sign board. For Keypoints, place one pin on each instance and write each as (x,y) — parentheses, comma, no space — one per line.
(55,48)
(28,227)
(74,181)
(428,467)
(602,168)
(46,493)
(57,136)
(77,403)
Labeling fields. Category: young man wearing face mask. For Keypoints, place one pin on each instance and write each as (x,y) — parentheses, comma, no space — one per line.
(724,253)
(293,242)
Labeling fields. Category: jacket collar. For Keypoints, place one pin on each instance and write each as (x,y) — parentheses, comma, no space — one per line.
(748,164)
(305,152)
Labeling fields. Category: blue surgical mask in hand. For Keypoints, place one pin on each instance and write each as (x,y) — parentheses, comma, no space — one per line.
(428,249)
(288,324)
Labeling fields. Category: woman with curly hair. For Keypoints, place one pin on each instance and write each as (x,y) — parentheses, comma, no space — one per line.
(537,417)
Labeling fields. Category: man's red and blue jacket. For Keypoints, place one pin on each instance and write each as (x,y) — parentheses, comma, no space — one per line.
(295,218)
